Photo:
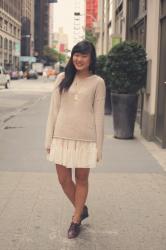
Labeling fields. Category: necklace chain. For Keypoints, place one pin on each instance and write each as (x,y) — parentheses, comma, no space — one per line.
(76,95)
(76,92)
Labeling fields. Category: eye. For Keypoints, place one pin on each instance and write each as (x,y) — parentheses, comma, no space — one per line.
(75,55)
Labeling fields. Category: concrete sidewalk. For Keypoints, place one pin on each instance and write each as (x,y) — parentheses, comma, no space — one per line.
(127,201)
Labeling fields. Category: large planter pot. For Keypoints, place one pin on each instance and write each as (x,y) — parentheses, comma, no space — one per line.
(108,108)
(124,109)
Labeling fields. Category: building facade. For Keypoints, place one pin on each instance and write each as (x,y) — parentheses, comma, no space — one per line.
(111,27)
(91,13)
(10,33)
(160,107)
(51,20)
(143,21)
(27,27)
(147,25)
(137,21)
(41,26)
(60,41)
(78,22)
(51,23)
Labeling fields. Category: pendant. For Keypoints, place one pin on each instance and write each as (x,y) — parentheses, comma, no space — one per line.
(76,97)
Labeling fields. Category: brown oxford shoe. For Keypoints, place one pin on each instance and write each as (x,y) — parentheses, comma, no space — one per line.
(85,213)
(74,230)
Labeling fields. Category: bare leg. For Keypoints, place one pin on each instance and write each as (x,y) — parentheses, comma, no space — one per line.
(65,179)
(81,192)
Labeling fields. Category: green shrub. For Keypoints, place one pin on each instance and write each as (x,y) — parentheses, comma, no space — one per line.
(126,67)
(101,69)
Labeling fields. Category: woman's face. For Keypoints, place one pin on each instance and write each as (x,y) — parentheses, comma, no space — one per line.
(81,61)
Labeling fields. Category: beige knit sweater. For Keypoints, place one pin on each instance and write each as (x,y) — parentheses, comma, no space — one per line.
(78,114)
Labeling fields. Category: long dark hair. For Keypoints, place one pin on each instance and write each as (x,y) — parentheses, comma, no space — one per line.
(83,47)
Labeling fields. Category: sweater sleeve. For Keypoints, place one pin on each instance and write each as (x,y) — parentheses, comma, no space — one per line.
(53,112)
(99,108)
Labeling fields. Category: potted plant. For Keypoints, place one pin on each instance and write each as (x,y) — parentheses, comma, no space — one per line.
(101,71)
(126,69)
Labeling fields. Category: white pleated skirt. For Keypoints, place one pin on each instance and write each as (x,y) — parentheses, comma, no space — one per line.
(73,153)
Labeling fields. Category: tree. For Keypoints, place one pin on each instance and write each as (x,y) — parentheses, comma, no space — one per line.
(62,58)
(50,54)
(89,36)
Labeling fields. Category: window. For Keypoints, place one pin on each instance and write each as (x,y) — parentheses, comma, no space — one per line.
(0,58)
(1,22)
(6,25)
(10,59)
(137,21)
(142,7)
(5,58)
(15,30)
(14,45)
(1,41)
(5,43)
(1,3)
(10,45)
(163,7)
(5,6)
(137,10)
(18,33)
(11,28)
(118,2)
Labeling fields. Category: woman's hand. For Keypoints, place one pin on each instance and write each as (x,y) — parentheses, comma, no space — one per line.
(98,157)
(48,150)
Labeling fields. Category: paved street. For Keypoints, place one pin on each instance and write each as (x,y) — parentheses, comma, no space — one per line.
(127,201)
(20,95)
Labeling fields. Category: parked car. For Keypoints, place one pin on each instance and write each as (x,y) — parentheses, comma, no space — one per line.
(4,78)
(31,74)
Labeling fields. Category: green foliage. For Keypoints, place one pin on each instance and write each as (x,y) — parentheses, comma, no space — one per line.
(100,65)
(53,55)
(127,67)
(89,36)
(50,54)
(101,69)
(62,58)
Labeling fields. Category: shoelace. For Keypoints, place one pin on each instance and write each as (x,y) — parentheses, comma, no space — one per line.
(74,225)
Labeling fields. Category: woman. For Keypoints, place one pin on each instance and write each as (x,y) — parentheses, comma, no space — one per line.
(75,127)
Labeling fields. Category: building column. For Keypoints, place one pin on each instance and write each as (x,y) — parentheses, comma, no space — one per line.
(2,51)
(101,25)
(106,21)
(152,49)
(124,18)
(113,17)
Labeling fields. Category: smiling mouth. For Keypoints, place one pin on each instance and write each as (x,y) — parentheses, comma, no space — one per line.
(79,65)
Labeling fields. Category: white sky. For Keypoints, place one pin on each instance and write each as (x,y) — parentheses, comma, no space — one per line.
(64,17)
